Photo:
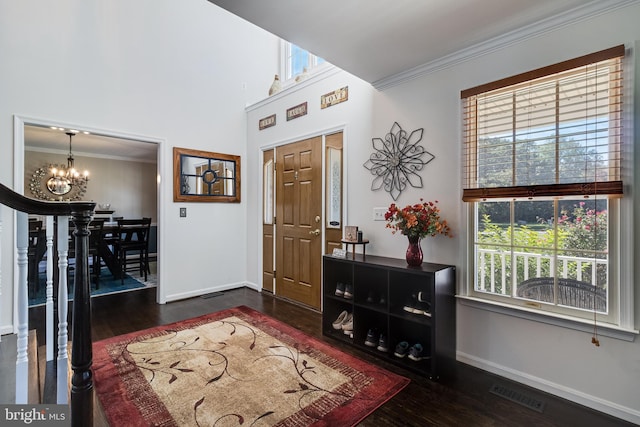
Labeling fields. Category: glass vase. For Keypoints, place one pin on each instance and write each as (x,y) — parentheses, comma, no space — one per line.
(414,252)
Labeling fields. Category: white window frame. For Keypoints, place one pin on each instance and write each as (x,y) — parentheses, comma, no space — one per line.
(285,66)
(619,323)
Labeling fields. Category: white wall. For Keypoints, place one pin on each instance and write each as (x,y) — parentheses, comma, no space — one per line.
(176,72)
(559,360)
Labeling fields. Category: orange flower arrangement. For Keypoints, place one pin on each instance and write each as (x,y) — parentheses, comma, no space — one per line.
(417,221)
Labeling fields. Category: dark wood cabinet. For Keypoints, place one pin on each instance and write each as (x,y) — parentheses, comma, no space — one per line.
(415,305)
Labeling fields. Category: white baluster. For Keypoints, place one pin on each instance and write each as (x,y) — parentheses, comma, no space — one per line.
(63,301)
(49,302)
(22,362)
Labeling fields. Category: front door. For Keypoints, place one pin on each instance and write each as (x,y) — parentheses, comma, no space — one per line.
(299,221)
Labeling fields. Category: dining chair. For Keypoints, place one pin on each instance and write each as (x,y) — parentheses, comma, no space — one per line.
(132,246)
(95,230)
(35,252)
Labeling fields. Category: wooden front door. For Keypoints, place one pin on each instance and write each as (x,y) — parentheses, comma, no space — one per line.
(299,221)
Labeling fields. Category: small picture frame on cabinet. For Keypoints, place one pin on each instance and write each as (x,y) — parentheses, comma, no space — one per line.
(339,253)
(351,233)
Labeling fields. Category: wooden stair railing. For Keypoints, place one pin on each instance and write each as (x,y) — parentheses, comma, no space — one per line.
(81,213)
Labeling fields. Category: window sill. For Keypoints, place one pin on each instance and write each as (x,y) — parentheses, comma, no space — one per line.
(290,86)
(604,329)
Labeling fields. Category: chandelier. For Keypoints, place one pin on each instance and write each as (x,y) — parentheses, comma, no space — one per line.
(63,179)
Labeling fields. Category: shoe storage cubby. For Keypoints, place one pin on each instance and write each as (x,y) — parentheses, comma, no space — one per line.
(412,308)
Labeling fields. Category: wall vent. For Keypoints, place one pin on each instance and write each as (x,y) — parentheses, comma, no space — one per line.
(517,397)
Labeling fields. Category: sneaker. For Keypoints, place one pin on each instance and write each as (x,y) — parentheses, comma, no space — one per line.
(371,297)
(412,305)
(337,324)
(348,291)
(347,324)
(339,289)
(372,338)
(416,352)
(401,349)
(382,343)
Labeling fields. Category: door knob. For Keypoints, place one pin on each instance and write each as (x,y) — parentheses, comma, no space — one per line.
(315,232)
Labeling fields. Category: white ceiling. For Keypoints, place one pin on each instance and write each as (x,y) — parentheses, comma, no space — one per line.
(378,39)
(45,139)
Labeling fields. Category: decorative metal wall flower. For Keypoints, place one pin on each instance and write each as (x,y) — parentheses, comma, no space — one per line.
(397,160)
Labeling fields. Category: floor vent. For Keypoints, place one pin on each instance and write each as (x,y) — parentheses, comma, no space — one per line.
(212,295)
(517,397)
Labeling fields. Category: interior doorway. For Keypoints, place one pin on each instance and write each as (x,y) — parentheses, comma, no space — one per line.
(302,215)
(109,157)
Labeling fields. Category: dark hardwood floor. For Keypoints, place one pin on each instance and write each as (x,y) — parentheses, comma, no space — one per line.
(461,401)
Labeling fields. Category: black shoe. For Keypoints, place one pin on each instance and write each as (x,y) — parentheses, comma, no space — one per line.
(371,297)
(401,349)
(372,338)
(416,352)
(412,305)
(348,291)
(382,343)
(339,289)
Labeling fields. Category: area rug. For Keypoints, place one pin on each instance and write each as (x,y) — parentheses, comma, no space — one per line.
(234,367)
(108,285)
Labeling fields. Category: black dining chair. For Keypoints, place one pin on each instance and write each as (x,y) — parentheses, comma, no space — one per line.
(95,230)
(132,246)
(35,252)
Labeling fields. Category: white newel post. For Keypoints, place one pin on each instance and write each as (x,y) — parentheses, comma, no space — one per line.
(49,303)
(63,301)
(22,362)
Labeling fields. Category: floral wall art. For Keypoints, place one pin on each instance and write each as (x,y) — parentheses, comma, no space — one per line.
(397,160)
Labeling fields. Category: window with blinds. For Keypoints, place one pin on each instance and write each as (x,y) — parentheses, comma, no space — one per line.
(555,131)
(542,172)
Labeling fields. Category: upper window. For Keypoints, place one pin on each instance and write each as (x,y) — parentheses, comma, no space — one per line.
(542,156)
(298,62)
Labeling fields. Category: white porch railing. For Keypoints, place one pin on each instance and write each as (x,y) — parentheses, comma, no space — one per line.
(490,258)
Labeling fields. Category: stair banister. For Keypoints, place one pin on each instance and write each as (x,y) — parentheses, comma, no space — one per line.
(81,214)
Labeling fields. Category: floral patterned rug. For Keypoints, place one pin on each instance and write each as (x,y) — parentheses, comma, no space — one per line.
(234,367)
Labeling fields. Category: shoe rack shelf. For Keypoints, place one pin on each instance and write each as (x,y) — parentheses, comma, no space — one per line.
(415,305)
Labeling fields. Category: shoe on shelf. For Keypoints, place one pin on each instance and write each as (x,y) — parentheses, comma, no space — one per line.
(413,306)
(416,352)
(347,324)
(401,349)
(337,324)
(339,289)
(382,343)
(371,297)
(372,338)
(423,297)
(426,309)
(348,291)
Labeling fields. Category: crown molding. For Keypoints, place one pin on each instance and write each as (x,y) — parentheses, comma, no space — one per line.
(581,13)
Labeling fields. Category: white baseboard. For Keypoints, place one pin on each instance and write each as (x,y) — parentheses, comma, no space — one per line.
(602,405)
(6,329)
(199,292)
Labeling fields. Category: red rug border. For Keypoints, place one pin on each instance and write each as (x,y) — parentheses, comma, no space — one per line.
(103,361)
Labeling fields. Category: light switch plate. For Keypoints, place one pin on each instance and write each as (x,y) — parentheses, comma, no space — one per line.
(378,214)
(183,212)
